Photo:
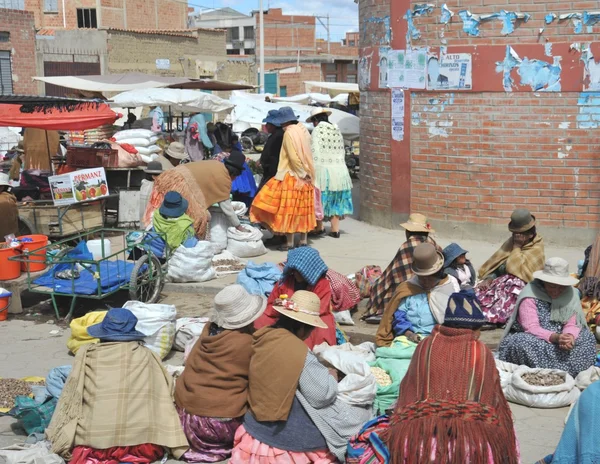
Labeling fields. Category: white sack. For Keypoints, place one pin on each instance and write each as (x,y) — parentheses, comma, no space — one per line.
(139,141)
(218,230)
(157,322)
(192,264)
(587,377)
(365,350)
(30,454)
(246,244)
(505,369)
(239,207)
(186,329)
(343,317)
(150,150)
(133,134)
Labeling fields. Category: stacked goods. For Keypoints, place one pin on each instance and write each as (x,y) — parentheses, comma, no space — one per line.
(381,376)
(143,140)
(89,136)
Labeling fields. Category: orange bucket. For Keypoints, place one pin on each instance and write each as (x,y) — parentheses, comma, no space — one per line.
(9,269)
(4,303)
(36,260)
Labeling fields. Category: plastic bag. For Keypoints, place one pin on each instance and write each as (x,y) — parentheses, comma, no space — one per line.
(343,317)
(33,416)
(359,387)
(192,264)
(557,396)
(157,322)
(79,335)
(186,329)
(218,230)
(246,244)
(587,377)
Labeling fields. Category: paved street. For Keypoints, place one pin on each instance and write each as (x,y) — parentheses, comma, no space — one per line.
(29,347)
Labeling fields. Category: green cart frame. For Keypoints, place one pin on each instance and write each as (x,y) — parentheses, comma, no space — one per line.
(146,280)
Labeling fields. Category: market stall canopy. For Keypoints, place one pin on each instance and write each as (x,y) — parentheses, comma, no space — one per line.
(333,88)
(186,101)
(310,98)
(111,83)
(251,109)
(73,117)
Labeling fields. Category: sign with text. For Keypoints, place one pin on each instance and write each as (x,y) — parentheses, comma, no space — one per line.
(86,184)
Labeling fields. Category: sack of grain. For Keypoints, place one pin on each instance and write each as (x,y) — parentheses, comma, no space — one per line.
(157,322)
(247,244)
(133,134)
(541,388)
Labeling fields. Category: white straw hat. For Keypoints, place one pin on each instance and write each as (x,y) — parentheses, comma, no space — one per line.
(235,308)
(317,111)
(556,271)
(304,307)
(417,222)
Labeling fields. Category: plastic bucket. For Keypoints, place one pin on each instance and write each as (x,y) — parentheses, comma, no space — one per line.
(4,303)
(9,269)
(36,261)
(95,248)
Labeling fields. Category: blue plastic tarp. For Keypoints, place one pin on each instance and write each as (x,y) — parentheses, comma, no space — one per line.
(259,279)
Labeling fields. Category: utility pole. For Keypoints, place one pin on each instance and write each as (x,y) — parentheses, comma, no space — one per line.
(328,37)
(262,48)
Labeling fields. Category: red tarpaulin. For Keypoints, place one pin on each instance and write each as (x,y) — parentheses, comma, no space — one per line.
(72,117)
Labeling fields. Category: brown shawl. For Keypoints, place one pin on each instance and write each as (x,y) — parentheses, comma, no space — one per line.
(277,362)
(9,212)
(451,399)
(214,382)
(520,262)
(39,146)
(213,179)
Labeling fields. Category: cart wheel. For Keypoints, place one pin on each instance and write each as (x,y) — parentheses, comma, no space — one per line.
(146,280)
(25,227)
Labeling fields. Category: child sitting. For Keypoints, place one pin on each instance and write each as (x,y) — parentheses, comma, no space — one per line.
(458,266)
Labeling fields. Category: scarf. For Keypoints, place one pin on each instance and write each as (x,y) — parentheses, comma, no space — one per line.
(438,301)
(561,308)
(520,262)
(277,361)
(118,394)
(451,404)
(174,230)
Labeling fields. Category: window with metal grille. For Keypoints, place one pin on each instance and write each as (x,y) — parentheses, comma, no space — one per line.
(50,6)
(249,51)
(4,36)
(6,82)
(248,32)
(331,78)
(86,18)
(233,51)
(351,79)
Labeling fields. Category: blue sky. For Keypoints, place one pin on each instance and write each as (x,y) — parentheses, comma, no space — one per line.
(343,14)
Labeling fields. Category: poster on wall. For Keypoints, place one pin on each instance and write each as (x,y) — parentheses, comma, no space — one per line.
(383,67)
(397,115)
(407,68)
(450,72)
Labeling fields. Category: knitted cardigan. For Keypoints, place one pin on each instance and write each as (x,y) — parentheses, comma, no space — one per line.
(331,173)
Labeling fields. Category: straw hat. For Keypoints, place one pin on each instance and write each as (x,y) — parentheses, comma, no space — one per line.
(317,111)
(556,271)
(177,150)
(417,222)
(304,307)
(427,260)
(521,220)
(235,308)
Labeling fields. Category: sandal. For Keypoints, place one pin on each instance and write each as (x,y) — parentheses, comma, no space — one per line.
(317,233)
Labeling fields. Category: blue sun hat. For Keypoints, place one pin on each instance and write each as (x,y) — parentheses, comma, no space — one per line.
(308,262)
(118,326)
(174,205)
(272,118)
(286,114)
(451,252)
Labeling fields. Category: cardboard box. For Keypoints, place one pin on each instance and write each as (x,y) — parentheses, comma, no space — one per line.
(85,184)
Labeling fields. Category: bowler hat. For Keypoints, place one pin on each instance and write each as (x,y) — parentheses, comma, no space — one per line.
(427,260)
(286,114)
(272,118)
(521,220)
(117,326)
(174,205)
(236,159)
(153,167)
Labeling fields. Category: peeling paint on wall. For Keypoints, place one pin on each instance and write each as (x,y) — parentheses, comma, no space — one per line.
(538,74)
(364,72)
(548,49)
(550,17)
(591,18)
(447,14)
(432,116)
(439,128)
(423,9)
(589,110)
(591,71)
(383,38)
(472,21)
(412,32)
(575,20)
(564,125)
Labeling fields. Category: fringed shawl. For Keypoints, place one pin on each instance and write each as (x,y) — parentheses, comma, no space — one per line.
(329,154)
(520,262)
(451,408)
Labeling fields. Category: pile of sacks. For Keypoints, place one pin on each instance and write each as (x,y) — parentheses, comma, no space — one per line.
(140,142)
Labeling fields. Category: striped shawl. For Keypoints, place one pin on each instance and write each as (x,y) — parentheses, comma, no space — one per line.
(520,262)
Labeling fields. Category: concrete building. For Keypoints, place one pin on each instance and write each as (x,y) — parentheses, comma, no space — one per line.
(240,29)
(17,47)
(521,130)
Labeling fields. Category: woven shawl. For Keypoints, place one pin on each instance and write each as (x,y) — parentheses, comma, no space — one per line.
(329,154)
(520,262)
(118,394)
(589,284)
(451,399)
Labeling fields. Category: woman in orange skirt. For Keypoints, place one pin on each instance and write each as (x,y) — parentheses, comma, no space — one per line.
(286,203)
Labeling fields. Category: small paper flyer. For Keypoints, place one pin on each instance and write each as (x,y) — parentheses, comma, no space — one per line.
(397,115)
(86,184)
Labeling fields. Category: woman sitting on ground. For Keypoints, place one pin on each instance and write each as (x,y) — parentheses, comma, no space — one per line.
(507,272)
(295,414)
(548,327)
(304,270)
(212,393)
(116,405)
(458,266)
(451,408)
(399,270)
(171,222)
(419,303)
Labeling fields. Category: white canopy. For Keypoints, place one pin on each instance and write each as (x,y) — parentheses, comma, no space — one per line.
(310,98)
(187,101)
(111,82)
(333,88)
(251,109)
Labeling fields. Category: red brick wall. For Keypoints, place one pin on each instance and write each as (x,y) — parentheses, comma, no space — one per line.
(294,82)
(285,34)
(21,26)
(469,158)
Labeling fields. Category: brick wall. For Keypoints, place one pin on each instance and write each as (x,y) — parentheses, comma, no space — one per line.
(286,34)
(21,27)
(137,52)
(469,158)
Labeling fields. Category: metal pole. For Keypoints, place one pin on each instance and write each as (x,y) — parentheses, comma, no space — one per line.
(328,37)
(262,48)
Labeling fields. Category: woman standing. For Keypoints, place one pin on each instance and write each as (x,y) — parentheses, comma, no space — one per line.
(286,204)
(331,174)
